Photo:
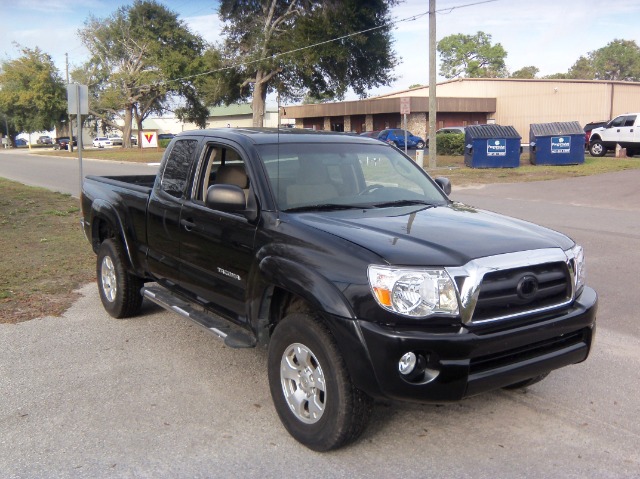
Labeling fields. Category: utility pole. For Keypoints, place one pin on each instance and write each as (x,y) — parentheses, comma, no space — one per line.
(70,147)
(432,84)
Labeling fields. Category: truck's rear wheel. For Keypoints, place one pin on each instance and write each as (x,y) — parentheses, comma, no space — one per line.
(310,386)
(597,148)
(119,289)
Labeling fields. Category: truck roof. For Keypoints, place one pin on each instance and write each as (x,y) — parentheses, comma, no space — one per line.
(275,135)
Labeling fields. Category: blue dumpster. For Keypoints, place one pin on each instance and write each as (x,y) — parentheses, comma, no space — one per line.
(560,143)
(492,146)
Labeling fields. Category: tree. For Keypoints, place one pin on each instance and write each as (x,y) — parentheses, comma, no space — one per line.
(263,41)
(32,94)
(471,56)
(526,72)
(142,58)
(619,60)
(582,69)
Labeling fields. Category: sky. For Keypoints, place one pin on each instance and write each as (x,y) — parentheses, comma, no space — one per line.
(548,34)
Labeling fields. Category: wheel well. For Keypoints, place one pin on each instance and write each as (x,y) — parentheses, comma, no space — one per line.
(283,303)
(594,138)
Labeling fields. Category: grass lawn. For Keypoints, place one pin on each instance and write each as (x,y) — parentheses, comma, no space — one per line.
(44,255)
(134,155)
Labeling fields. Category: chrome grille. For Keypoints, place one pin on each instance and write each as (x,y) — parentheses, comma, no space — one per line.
(521,290)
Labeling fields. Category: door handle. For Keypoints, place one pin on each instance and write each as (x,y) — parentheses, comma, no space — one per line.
(188,224)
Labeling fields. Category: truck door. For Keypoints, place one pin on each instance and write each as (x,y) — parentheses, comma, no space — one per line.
(163,212)
(627,134)
(216,247)
(612,131)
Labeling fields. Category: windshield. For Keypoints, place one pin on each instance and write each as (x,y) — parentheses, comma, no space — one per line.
(342,175)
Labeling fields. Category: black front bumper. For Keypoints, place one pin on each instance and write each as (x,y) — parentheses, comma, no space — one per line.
(470,361)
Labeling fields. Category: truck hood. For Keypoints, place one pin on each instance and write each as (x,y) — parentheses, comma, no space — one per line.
(449,235)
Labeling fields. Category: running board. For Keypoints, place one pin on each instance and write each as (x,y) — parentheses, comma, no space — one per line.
(221,328)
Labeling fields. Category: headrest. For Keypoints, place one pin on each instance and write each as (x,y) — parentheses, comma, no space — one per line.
(232,175)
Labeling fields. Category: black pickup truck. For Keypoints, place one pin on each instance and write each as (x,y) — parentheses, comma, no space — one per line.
(349,263)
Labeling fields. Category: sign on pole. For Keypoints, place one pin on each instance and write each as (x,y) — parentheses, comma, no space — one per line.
(149,139)
(405,106)
(77,96)
(78,104)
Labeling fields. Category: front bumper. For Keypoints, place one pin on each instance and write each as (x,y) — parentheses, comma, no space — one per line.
(471,361)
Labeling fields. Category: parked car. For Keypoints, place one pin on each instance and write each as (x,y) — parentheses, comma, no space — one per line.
(62,143)
(44,140)
(449,130)
(116,140)
(591,126)
(101,142)
(396,137)
(165,136)
(21,142)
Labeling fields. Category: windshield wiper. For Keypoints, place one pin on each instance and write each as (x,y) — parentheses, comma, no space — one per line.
(326,207)
(404,203)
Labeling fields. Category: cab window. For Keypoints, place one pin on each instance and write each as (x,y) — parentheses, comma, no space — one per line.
(221,165)
(177,167)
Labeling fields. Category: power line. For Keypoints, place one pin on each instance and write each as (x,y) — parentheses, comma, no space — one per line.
(296,50)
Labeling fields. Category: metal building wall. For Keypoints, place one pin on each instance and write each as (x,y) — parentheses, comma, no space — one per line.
(522,102)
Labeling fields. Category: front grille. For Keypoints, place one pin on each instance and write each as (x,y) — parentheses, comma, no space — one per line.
(518,291)
(506,358)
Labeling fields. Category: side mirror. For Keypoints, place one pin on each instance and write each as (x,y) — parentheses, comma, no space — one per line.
(444,184)
(228,198)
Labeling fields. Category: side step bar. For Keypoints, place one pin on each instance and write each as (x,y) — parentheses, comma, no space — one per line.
(213,324)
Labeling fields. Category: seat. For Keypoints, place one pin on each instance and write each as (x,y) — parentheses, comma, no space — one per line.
(312,186)
(233,174)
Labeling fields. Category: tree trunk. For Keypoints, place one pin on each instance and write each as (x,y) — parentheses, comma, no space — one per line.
(139,123)
(126,129)
(259,100)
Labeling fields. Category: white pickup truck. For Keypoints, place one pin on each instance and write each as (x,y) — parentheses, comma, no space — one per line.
(623,130)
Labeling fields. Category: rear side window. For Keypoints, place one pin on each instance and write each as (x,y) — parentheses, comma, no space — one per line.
(176,169)
(630,120)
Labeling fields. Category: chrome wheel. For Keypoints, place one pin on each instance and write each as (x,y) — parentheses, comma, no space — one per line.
(109,282)
(303,383)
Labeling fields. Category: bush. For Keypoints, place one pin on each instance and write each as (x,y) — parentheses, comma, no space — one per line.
(451,144)
(164,142)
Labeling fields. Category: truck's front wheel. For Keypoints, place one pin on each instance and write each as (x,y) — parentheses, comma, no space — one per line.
(597,148)
(310,385)
(119,289)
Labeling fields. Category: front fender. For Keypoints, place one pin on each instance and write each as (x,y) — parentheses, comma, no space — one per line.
(314,288)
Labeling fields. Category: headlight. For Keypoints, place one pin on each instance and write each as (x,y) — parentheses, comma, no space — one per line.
(579,267)
(416,293)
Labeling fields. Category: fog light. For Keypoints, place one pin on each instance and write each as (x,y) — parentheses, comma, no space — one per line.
(407,363)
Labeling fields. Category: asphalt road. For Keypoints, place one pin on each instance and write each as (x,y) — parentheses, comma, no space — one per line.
(86,395)
(62,174)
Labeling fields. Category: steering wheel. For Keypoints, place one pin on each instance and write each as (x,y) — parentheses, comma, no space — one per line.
(371,189)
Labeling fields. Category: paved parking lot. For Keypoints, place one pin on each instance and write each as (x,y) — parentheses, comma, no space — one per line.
(86,395)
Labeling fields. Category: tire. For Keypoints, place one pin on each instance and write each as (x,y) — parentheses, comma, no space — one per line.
(526,382)
(420,145)
(311,388)
(597,148)
(119,289)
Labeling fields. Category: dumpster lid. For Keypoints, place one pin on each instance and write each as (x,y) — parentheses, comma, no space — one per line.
(491,131)
(557,128)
